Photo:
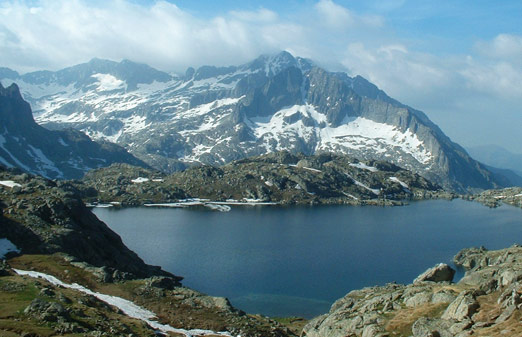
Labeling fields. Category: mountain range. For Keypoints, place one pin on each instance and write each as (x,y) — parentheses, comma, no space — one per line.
(214,115)
(60,154)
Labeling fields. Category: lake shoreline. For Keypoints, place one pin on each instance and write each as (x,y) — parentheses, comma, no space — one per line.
(191,229)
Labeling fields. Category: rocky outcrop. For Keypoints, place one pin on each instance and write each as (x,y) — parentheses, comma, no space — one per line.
(485,302)
(41,216)
(439,273)
(495,198)
(281,178)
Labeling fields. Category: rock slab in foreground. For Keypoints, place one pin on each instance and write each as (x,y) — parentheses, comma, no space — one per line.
(486,302)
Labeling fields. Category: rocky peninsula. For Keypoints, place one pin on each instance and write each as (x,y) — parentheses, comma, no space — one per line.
(494,198)
(278,178)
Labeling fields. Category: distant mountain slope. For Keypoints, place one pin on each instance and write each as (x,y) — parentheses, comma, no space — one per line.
(497,156)
(53,154)
(505,176)
(214,115)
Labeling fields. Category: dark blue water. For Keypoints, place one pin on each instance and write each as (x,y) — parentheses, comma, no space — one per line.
(296,261)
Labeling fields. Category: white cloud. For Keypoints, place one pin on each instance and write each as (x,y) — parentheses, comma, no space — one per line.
(334,15)
(500,78)
(59,33)
(338,17)
(261,15)
(393,67)
(503,46)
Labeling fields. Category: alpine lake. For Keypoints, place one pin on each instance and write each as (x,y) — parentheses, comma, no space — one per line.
(296,261)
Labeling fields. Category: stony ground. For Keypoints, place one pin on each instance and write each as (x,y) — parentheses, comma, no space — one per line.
(487,301)
(44,309)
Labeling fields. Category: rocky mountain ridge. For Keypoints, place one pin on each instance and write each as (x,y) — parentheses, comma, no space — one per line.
(53,154)
(279,178)
(215,115)
(41,216)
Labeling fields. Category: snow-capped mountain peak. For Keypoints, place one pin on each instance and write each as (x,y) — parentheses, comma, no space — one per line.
(218,114)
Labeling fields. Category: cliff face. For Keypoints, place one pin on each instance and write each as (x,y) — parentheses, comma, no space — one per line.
(487,301)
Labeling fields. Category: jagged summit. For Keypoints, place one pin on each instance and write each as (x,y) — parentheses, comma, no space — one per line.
(214,115)
(54,154)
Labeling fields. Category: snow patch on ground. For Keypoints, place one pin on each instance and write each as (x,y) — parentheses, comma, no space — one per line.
(395,179)
(9,183)
(350,196)
(7,246)
(140,180)
(222,206)
(127,307)
(306,168)
(363,166)
(375,191)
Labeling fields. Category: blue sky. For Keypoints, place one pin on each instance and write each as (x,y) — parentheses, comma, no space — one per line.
(458,61)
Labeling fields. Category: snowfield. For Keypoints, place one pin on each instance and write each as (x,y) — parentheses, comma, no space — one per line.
(353,133)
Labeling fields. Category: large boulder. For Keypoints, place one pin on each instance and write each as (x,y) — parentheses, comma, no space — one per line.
(463,307)
(440,273)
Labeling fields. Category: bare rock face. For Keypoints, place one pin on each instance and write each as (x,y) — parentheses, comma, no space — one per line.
(440,273)
(279,177)
(464,306)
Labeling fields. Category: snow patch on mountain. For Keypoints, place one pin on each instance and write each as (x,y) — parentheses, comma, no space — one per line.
(363,166)
(304,121)
(14,158)
(43,163)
